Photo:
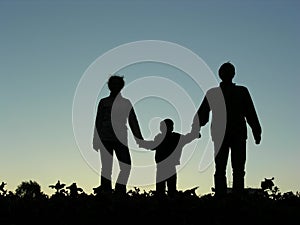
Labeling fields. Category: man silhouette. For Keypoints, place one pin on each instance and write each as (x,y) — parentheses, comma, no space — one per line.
(168,146)
(110,134)
(232,108)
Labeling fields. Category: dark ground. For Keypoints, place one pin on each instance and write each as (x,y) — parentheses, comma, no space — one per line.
(138,208)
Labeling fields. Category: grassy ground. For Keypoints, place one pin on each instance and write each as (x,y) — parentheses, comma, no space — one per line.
(145,208)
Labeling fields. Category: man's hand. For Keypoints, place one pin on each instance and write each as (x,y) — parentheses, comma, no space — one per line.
(96,144)
(257,139)
(96,147)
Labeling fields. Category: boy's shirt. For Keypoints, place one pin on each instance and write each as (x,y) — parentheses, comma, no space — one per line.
(169,146)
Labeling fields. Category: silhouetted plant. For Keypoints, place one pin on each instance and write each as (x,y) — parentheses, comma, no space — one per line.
(267,184)
(135,191)
(29,189)
(270,189)
(2,190)
(275,193)
(74,191)
(191,192)
(289,195)
(59,187)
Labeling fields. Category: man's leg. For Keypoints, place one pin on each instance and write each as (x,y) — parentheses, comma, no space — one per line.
(221,159)
(106,155)
(172,182)
(123,156)
(160,180)
(238,160)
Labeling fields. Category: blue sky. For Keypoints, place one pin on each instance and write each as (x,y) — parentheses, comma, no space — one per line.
(46,46)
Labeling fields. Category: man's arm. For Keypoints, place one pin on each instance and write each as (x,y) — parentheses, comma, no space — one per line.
(96,138)
(201,117)
(252,118)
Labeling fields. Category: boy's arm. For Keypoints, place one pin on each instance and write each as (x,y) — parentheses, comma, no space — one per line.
(189,137)
(145,144)
(150,144)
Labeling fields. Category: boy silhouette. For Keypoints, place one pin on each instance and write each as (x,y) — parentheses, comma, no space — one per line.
(168,146)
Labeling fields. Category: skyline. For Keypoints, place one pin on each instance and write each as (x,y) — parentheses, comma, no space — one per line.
(47,46)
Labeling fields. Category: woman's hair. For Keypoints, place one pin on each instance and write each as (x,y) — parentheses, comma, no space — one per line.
(116,83)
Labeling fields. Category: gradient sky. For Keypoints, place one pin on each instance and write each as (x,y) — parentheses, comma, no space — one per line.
(46,46)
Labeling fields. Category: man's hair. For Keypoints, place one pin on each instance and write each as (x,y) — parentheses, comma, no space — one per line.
(227,71)
(116,83)
(169,123)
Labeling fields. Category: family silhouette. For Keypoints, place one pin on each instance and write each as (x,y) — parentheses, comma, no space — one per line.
(231,108)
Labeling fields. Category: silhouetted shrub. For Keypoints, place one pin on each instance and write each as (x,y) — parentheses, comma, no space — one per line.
(29,189)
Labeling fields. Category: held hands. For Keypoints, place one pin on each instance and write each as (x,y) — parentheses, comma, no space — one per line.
(195,131)
(195,134)
(145,144)
(140,143)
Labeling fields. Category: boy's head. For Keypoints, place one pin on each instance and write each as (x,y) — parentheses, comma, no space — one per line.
(167,125)
(226,72)
(115,83)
